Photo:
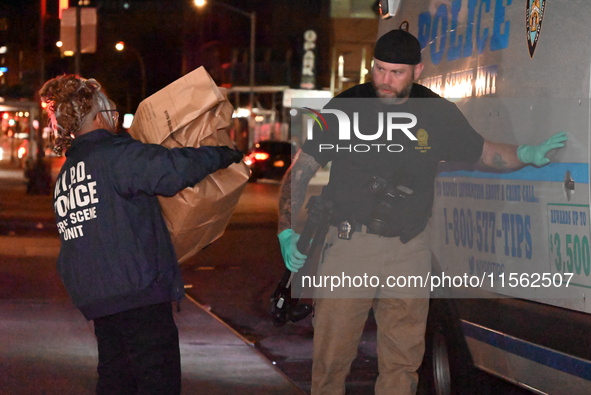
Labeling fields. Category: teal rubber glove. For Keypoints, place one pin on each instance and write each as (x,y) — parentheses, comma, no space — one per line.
(293,259)
(536,154)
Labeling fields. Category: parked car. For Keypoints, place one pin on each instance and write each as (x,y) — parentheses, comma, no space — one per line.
(270,159)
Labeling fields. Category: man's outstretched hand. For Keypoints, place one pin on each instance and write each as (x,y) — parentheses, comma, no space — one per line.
(536,154)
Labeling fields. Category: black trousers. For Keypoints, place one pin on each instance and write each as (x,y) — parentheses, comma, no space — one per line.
(138,352)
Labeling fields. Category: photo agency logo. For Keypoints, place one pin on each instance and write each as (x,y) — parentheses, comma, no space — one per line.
(353,134)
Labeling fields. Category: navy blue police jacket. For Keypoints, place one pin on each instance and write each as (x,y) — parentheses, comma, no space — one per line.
(116,252)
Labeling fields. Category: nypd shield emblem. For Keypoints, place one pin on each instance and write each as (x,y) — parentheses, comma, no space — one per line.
(533,23)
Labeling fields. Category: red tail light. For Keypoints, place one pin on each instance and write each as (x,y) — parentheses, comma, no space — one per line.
(261,156)
(250,159)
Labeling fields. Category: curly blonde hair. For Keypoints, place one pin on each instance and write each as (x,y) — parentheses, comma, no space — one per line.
(69,100)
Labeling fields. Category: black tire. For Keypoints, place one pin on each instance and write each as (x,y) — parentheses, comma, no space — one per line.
(447,367)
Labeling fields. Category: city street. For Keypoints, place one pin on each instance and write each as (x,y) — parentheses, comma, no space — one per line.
(236,277)
(48,348)
(233,279)
(237,274)
(460,175)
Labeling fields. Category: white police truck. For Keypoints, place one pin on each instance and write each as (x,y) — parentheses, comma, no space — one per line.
(511,250)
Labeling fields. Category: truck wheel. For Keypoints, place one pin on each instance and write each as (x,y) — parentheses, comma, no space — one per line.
(440,363)
(447,366)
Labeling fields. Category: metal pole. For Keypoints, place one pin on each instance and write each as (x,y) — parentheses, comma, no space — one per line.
(252,56)
(362,68)
(40,48)
(252,16)
(333,71)
(36,141)
(252,73)
(121,46)
(78,40)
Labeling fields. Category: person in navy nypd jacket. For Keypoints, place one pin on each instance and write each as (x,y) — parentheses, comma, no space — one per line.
(117,260)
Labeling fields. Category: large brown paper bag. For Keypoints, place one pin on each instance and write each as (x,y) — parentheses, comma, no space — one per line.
(191,112)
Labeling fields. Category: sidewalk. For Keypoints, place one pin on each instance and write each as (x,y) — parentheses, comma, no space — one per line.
(47,347)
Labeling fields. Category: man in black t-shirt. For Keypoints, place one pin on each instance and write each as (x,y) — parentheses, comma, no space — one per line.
(381,186)
(390,159)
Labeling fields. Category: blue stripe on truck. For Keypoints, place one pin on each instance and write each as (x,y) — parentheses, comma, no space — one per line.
(542,355)
(553,172)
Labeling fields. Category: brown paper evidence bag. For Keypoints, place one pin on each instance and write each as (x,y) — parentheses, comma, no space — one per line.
(192,112)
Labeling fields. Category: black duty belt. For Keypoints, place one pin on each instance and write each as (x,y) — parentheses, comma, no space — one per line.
(346,228)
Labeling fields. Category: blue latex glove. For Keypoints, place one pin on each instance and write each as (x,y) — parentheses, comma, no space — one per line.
(536,154)
(293,259)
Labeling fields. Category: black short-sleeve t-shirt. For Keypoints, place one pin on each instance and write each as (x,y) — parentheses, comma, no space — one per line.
(365,163)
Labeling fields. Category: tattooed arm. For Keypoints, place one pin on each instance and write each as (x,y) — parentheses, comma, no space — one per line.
(294,186)
(500,157)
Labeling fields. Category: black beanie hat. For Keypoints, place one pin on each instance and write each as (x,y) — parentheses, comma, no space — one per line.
(398,46)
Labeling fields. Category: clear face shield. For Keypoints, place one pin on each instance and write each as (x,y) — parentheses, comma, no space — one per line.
(108,113)
(109,118)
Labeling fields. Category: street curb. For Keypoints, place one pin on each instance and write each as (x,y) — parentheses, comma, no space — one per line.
(244,339)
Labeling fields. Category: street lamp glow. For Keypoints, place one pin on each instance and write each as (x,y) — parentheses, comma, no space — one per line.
(120,46)
(200,3)
(59,44)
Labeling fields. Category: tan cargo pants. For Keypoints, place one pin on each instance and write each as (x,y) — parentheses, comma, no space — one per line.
(400,312)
